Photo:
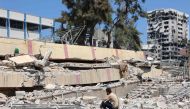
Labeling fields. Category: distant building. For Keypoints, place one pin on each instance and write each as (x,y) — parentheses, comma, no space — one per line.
(23,26)
(168,33)
(148,49)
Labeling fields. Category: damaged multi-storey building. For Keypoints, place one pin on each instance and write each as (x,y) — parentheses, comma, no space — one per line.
(168,34)
(24,26)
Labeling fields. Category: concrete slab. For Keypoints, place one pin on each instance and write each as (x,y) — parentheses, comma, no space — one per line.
(22,60)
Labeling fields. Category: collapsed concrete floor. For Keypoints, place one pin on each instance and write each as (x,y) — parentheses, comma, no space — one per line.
(138,86)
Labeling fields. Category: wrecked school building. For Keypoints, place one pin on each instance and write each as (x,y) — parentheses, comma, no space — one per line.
(36,74)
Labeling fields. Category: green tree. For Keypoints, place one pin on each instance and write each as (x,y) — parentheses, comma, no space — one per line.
(125,33)
(86,12)
(93,12)
(127,38)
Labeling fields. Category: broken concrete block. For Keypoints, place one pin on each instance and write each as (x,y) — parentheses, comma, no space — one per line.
(47,69)
(20,94)
(43,62)
(50,86)
(89,99)
(3,98)
(7,63)
(181,105)
(5,107)
(22,60)
(37,101)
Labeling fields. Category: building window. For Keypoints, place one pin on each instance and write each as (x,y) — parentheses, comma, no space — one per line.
(179,24)
(166,30)
(180,33)
(2,22)
(173,31)
(32,27)
(166,22)
(180,28)
(16,24)
(165,27)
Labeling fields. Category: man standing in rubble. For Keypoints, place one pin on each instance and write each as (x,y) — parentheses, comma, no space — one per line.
(111,101)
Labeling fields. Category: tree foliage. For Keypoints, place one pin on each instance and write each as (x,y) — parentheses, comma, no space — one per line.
(86,12)
(127,38)
(117,16)
(128,12)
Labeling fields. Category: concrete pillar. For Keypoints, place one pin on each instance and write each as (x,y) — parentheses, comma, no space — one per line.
(53,31)
(8,23)
(25,27)
(40,27)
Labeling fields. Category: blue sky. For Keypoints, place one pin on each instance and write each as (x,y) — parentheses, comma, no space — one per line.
(53,8)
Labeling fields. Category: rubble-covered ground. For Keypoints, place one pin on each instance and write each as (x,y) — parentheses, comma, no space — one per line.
(86,97)
(150,94)
(159,95)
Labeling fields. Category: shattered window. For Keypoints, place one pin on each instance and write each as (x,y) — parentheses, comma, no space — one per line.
(2,22)
(16,24)
(32,27)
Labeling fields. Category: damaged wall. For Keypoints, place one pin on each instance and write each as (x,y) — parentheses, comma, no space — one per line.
(20,78)
(62,51)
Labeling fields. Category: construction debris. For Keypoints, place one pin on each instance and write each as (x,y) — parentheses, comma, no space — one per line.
(27,81)
(148,95)
(42,63)
(54,78)
(3,99)
(22,60)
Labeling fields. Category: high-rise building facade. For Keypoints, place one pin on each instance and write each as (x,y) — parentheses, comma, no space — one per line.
(168,32)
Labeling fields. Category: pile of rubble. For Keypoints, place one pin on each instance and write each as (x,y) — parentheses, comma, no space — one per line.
(28,71)
(159,94)
(79,96)
(139,84)
(31,81)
